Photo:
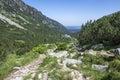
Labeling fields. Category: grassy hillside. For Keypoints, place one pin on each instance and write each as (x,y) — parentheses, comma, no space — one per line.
(22,27)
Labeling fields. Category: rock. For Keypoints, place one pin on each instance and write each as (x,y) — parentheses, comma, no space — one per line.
(97,47)
(100,67)
(118,49)
(115,51)
(67,36)
(40,76)
(59,54)
(71,61)
(85,47)
(16,68)
(92,52)
(49,79)
(74,65)
(76,75)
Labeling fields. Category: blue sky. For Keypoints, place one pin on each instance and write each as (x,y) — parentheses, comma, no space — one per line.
(75,12)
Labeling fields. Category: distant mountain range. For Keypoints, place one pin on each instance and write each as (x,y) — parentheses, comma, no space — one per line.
(73,29)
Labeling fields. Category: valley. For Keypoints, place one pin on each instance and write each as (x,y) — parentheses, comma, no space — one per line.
(36,47)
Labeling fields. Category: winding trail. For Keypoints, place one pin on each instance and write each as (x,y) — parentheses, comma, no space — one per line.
(26,70)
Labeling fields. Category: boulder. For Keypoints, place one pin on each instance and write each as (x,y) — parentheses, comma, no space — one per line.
(71,61)
(118,49)
(84,48)
(92,52)
(115,51)
(97,47)
(100,67)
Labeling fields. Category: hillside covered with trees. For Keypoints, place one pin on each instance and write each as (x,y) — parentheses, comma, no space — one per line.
(105,30)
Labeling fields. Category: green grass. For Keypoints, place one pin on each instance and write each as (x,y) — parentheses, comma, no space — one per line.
(113,72)
(51,46)
(48,64)
(60,75)
(27,77)
(41,49)
(95,59)
(13,60)
(89,72)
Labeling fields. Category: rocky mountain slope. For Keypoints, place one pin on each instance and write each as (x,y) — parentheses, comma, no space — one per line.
(22,27)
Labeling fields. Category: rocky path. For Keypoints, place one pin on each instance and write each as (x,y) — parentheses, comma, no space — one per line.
(26,70)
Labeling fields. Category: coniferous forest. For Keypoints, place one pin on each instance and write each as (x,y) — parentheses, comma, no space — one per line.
(105,30)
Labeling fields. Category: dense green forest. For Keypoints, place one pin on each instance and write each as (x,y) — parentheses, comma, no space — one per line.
(105,30)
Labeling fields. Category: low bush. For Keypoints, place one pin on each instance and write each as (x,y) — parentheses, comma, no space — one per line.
(62,46)
(51,46)
(112,76)
(41,49)
(115,66)
(98,59)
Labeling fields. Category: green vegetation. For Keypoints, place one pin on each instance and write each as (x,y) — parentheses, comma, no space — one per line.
(40,49)
(86,67)
(105,30)
(48,64)
(95,59)
(60,75)
(39,29)
(14,60)
(62,46)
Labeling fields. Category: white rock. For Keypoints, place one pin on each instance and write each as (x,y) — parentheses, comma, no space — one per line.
(16,68)
(71,61)
(59,54)
(18,78)
(40,76)
(74,65)
(100,67)
(3,18)
(92,52)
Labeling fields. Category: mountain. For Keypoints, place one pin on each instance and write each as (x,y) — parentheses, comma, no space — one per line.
(73,29)
(22,27)
(105,30)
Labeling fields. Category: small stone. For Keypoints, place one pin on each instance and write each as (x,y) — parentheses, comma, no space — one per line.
(40,76)
(74,65)
(16,68)
(49,79)
(97,47)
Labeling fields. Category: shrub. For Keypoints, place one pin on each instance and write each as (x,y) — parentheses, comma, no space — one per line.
(98,59)
(51,46)
(40,49)
(115,65)
(62,46)
(112,76)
